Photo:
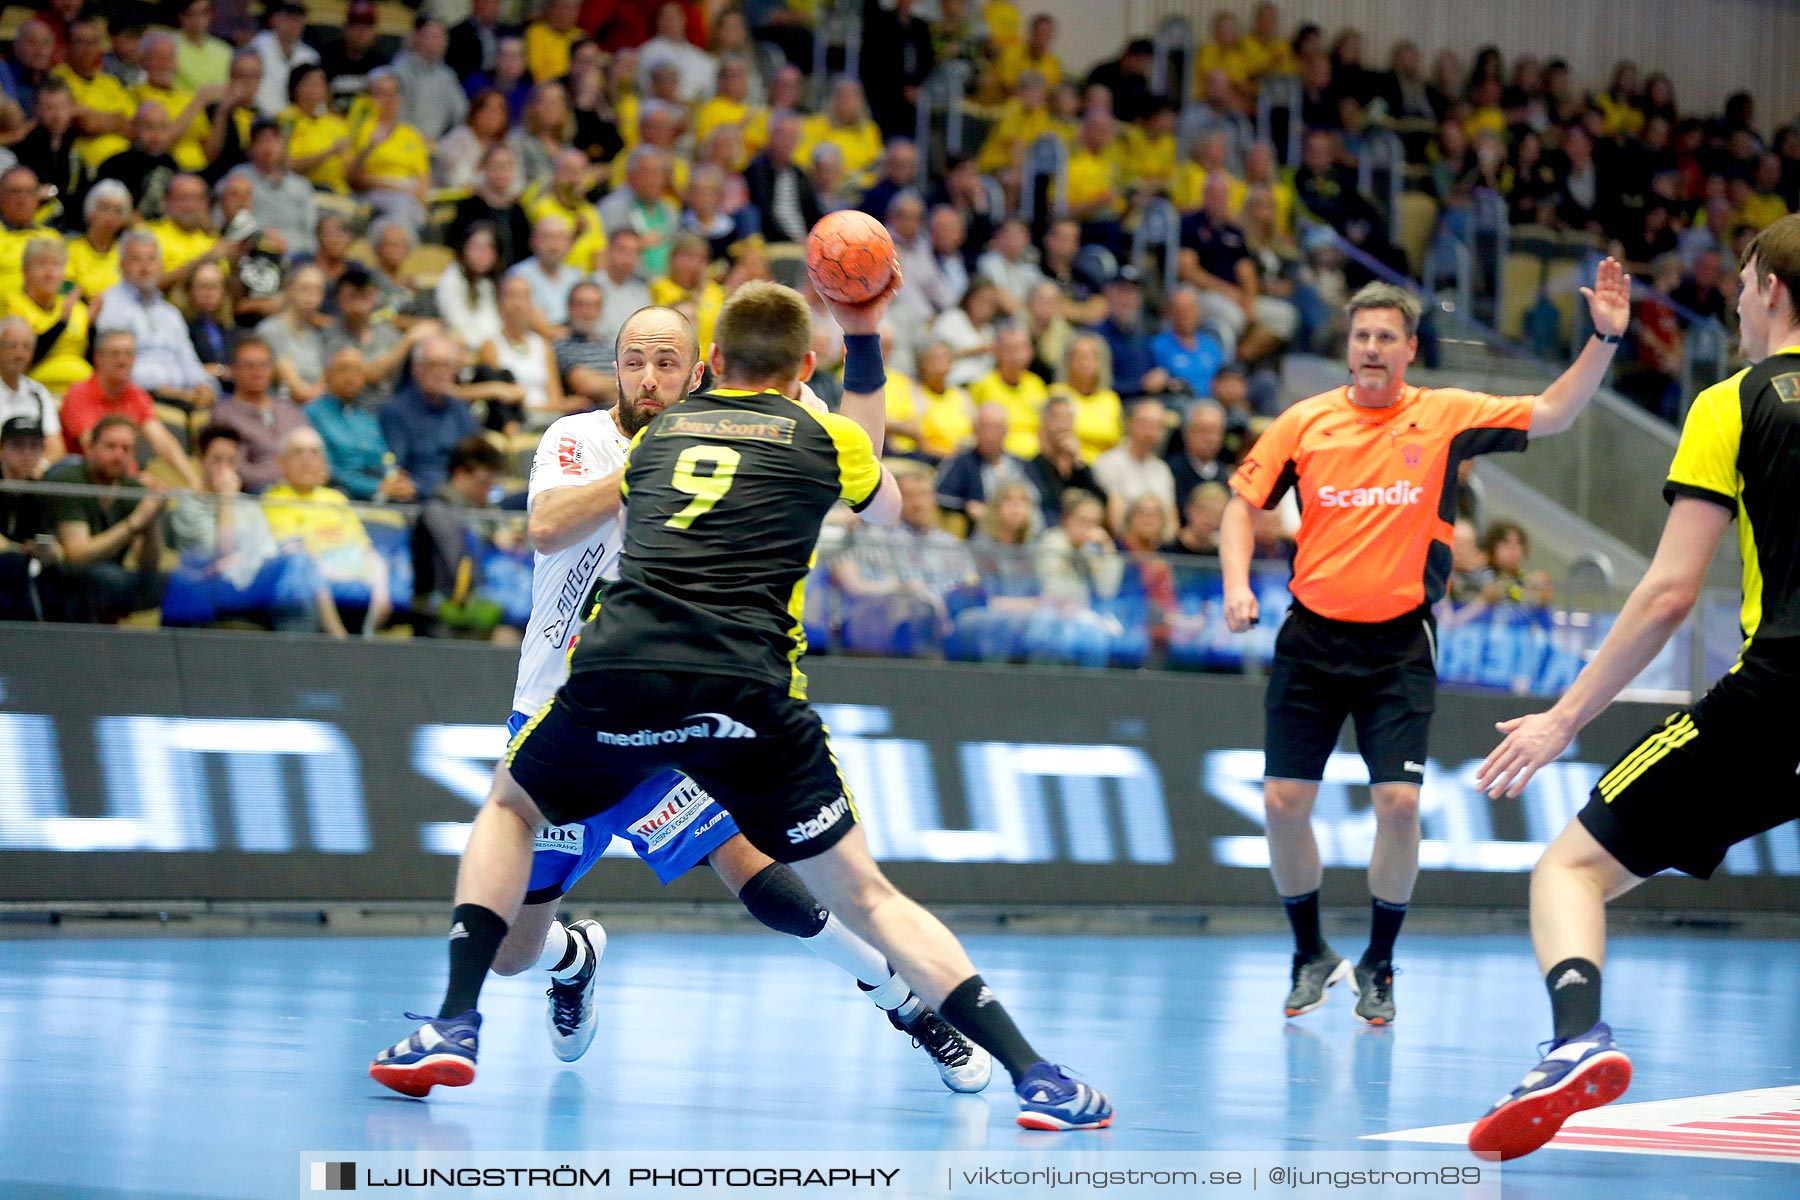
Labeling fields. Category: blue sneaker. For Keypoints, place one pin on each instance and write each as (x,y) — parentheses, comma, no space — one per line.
(1052,1099)
(441,1051)
(1578,1074)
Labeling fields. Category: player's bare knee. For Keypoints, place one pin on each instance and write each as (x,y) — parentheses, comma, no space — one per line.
(1396,806)
(1287,803)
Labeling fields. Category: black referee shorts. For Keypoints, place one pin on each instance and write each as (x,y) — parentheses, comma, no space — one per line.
(1382,676)
(1708,778)
(761,754)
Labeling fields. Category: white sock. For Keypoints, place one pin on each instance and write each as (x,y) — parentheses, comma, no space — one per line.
(556,944)
(849,953)
(892,994)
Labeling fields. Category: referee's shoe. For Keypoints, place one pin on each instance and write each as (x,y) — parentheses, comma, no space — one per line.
(1313,975)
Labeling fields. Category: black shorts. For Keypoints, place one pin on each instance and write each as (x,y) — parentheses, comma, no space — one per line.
(1708,778)
(761,754)
(1382,676)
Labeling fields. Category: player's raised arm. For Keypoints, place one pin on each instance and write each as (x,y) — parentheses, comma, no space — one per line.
(1609,304)
(865,375)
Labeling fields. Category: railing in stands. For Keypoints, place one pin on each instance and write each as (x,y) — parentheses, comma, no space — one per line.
(942,93)
(894,592)
(1174,49)
(1280,93)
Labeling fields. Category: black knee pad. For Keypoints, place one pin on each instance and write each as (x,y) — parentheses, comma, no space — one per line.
(776,897)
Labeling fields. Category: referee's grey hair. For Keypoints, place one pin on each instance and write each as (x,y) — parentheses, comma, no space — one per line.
(21,323)
(1387,295)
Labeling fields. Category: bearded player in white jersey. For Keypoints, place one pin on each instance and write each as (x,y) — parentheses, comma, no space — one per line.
(576,527)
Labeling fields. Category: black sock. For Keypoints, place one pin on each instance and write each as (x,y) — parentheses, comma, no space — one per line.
(1384,927)
(1574,985)
(1303,915)
(475,937)
(973,1009)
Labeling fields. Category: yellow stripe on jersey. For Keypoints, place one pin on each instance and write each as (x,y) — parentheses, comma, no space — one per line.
(859,471)
(1707,458)
(512,747)
(842,782)
(626,466)
(1679,731)
(796,608)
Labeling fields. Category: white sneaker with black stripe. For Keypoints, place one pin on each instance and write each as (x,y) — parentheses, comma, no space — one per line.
(571,1016)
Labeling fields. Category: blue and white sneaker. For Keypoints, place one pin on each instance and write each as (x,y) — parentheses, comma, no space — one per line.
(571,1016)
(441,1051)
(1052,1099)
(1578,1074)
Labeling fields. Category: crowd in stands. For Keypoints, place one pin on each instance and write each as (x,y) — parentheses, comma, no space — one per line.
(253,271)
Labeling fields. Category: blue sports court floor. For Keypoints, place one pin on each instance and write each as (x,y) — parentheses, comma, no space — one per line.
(164,1068)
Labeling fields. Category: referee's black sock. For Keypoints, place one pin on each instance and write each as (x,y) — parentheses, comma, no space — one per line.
(973,1009)
(475,937)
(1574,985)
(1303,915)
(1384,926)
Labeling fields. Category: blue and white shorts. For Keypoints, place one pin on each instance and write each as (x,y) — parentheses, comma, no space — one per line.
(669,821)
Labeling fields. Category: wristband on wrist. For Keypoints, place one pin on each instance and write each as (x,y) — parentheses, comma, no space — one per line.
(864,371)
(1611,339)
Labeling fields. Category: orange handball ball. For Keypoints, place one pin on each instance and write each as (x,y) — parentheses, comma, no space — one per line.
(850,257)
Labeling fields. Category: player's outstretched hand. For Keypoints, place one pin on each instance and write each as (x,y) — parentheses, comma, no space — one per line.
(1241,609)
(1530,743)
(865,317)
(1609,300)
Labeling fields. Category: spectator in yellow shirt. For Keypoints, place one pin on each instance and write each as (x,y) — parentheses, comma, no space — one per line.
(1152,150)
(731,106)
(904,428)
(566,196)
(1096,184)
(548,39)
(1274,55)
(320,521)
(846,125)
(1015,387)
(185,233)
(661,128)
(318,138)
(946,414)
(688,287)
(1036,53)
(187,110)
(1023,119)
(1759,203)
(1262,171)
(1099,414)
(103,108)
(389,161)
(94,254)
(48,302)
(1211,152)
(1231,53)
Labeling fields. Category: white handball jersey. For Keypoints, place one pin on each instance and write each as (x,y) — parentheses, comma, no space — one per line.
(576,449)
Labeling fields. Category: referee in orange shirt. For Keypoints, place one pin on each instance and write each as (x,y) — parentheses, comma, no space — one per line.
(1375,462)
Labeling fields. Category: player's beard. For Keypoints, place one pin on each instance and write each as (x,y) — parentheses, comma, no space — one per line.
(633,416)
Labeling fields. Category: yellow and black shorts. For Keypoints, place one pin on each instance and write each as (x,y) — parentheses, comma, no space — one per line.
(1708,778)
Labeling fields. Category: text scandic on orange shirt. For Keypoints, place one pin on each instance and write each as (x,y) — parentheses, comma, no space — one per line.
(1377,491)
